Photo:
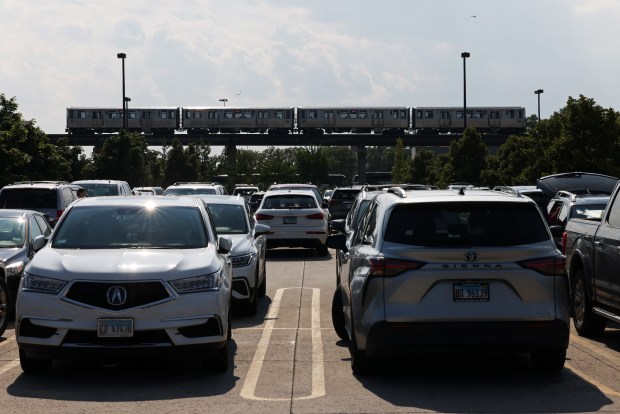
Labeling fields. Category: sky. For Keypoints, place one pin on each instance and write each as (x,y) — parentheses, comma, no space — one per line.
(56,54)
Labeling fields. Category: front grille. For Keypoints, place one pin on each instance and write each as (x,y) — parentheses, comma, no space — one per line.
(156,337)
(96,294)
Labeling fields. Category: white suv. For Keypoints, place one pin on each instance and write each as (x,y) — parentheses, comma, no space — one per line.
(443,269)
(127,276)
(192,188)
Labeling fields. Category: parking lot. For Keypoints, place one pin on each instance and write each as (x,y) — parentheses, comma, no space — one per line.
(288,358)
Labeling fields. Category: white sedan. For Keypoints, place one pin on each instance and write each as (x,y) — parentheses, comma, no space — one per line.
(128,276)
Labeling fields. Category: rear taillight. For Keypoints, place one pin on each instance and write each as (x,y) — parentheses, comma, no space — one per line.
(264,217)
(381,266)
(316,216)
(564,243)
(550,266)
(59,213)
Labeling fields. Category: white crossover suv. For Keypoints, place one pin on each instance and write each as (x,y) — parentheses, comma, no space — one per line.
(128,276)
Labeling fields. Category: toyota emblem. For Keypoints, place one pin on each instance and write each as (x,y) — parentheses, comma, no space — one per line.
(471,256)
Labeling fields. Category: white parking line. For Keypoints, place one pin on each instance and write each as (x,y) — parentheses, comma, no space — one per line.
(9,366)
(604,389)
(318,373)
(7,341)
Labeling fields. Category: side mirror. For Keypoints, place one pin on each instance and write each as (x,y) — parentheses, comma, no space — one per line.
(38,242)
(337,241)
(556,230)
(338,225)
(261,229)
(224,244)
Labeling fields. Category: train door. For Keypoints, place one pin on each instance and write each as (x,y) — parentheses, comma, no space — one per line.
(329,120)
(262,118)
(146,120)
(494,120)
(97,120)
(213,118)
(445,120)
(377,119)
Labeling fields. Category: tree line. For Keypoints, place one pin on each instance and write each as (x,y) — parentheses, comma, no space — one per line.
(582,136)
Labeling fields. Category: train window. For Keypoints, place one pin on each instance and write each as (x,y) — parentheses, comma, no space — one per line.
(172,116)
(163,115)
(419,114)
(363,115)
(312,114)
(377,115)
(403,114)
(520,114)
(228,115)
(212,115)
(459,114)
(238,114)
(113,115)
(197,115)
(510,113)
(428,115)
(478,114)
(279,114)
(329,115)
(353,115)
(188,114)
(344,114)
(132,115)
(81,114)
(247,114)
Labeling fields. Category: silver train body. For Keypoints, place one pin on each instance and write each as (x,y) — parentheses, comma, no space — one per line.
(303,120)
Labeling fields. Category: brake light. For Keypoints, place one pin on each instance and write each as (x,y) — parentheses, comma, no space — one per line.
(380,266)
(316,216)
(261,216)
(550,266)
(59,213)
(564,243)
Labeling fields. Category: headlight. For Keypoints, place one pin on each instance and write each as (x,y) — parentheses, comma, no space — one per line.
(198,283)
(239,261)
(14,268)
(42,284)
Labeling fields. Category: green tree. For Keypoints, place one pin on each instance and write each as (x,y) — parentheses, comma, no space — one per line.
(177,166)
(121,158)
(423,167)
(278,166)
(379,158)
(468,158)
(341,160)
(312,165)
(401,168)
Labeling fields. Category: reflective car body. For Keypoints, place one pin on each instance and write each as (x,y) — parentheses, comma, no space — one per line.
(232,217)
(295,219)
(126,276)
(444,270)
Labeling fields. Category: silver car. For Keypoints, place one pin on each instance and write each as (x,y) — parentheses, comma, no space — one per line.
(128,276)
(232,217)
(448,269)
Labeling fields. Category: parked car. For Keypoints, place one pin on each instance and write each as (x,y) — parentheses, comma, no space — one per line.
(566,205)
(22,234)
(530,191)
(295,219)
(311,187)
(97,188)
(50,198)
(255,200)
(576,182)
(232,217)
(341,201)
(144,191)
(448,270)
(128,276)
(192,188)
(245,190)
(327,194)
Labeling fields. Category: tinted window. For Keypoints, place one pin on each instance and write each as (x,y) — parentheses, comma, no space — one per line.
(345,195)
(229,218)
(28,198)
(43,225)
(186,191)
(12,232)
(289,201)
(466,224)
(97,190)
(112,227)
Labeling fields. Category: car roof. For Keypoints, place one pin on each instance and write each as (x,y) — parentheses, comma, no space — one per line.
(221,199)
(187,201)
(40,184)
(300,191)
(413,196)
(192,184)
(16,213)
(279,186)
(78,182)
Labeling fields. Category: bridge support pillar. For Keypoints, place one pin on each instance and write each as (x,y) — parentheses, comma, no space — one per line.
(231,155)
(361,164)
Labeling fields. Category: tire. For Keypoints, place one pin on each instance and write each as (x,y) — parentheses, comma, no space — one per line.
(338,316)
(361,364)
(262,288)
(586,322)
(32,365)
(550,361)
(322,250)
(5,306)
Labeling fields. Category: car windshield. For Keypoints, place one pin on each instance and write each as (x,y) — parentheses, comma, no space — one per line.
(289,201)
(110,227)
(28,198)
(228,218)
(466,224)
(98,190)
(12,232)
(189,190)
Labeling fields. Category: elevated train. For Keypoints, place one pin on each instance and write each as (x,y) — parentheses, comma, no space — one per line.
(302,120)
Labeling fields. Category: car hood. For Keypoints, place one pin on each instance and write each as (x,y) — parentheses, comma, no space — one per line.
(242,244)
(577,181)
(10,255)
(124,264)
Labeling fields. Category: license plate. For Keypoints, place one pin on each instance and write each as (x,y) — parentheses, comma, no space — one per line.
(114,328)
(289,220)
(471,292)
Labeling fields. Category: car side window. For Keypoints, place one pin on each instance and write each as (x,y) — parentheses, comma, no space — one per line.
(614,213)
(43,226)
(369,231)
(35,230)
(360,232)
(67,197)
(553,217)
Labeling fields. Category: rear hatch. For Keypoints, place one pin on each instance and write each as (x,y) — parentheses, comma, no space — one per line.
(577,182)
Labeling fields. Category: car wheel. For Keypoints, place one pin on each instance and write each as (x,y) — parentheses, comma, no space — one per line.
(262,289)
(33,365)
(586,322)
(5,306)
(322,250)
(550,361)
(338,315)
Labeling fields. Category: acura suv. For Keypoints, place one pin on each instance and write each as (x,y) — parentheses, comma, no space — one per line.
(443,269)
(127,276)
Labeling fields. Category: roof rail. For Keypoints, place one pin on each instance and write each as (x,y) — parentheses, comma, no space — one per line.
(397,191)
(41,182)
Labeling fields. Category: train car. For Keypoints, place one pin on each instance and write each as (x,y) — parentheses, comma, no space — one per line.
(501,119)
(200,120)
(381,120)
(165,120)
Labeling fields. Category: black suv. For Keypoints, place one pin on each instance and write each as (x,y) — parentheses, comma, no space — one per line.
(48,197)
(341,201)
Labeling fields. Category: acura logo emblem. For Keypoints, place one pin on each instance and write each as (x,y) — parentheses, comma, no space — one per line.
(471,256)
(117,295)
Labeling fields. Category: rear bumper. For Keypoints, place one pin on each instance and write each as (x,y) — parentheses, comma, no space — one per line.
(385,338)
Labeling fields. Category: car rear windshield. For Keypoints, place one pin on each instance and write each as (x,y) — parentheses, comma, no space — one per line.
(344,194)
(289,201)
(110,227)
(466,224)
(28,198)
(97,190)
(186,191)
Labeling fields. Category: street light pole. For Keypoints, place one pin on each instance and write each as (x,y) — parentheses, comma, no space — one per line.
(122,57)
(538,92)
(224,100)
(464,55)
